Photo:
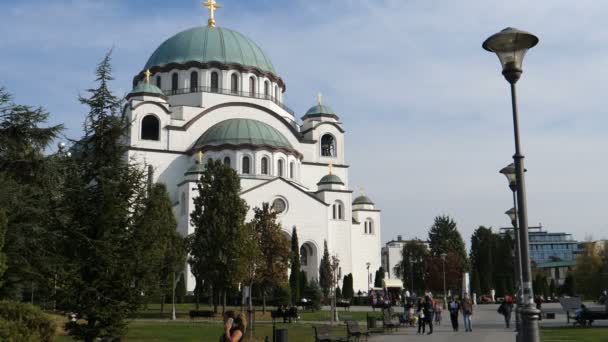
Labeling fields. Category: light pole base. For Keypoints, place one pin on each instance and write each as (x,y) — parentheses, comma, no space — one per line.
(529,324)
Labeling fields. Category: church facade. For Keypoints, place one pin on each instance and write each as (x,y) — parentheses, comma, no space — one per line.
(213,90)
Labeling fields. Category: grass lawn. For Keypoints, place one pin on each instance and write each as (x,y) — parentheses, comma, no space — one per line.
(187,331)
(568,334)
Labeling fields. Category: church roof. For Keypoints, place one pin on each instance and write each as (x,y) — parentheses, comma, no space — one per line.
(207,44)
(147,88)
(363,200)
(244,133)
(330,179)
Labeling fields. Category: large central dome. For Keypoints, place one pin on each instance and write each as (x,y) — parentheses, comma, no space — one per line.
(210,44)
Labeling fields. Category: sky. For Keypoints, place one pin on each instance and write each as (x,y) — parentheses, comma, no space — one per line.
(426,110)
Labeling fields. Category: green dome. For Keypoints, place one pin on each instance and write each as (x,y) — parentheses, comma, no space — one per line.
(363,200)
(144,87)
(196,168)
(330,179)
(320,109)
(206,44)
(247,132)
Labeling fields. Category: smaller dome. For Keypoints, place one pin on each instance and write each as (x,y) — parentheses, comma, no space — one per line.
(147,88)
(363,200)
(194,169)
(330,179)
(320,110)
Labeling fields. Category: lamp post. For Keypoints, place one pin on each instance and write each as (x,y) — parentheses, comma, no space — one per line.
(510,45)
(368,280)
(445,294)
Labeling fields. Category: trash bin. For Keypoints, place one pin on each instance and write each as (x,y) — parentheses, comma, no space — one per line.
(371,322)
(280,335)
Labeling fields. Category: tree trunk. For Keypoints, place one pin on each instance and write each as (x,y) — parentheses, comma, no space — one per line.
(214,299)
(250,311)
(162,305)
(224,301)
(264,301)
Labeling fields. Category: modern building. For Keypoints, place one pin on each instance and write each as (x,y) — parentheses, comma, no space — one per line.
(391,255)
(212,93)
(552,253)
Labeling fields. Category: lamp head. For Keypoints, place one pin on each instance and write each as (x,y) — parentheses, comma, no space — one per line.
(512,215)
(510,45)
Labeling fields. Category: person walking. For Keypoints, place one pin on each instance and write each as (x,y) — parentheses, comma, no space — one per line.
(505,309)
(420,315)
(438,311)
(453,308)
(467,311)
(428,309)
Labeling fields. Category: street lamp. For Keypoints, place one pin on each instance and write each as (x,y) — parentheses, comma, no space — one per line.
(368,277)
(512,213)
(445,295)
(510,45)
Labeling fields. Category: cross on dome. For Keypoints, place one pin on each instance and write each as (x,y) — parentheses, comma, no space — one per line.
(319,98)
(331,168)
(147,74)
(212,6)
(200,157)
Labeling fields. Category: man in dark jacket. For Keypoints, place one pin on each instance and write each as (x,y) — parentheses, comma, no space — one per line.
(454,307)
(505,309)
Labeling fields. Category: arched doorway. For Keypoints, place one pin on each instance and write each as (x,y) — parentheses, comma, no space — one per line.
(309,260)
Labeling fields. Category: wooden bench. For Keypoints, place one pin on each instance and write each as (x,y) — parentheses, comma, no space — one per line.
(353,330)
(587,317)
(286,315)
(323,334)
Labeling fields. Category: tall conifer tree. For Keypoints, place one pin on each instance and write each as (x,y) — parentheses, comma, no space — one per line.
(294,281)
(325,271)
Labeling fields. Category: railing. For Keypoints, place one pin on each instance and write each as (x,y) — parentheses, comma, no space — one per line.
(229,92)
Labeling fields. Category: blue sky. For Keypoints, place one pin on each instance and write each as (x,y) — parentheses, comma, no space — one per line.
(426,110)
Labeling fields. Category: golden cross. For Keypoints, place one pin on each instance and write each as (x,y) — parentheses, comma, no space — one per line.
(212,6)
(147,74)
(331,168)
(319,98)
(200,157)
(362,191)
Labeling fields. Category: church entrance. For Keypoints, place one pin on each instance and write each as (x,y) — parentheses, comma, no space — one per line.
(309,260)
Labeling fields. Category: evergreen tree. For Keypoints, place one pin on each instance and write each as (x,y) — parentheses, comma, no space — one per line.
(347,287)
(588,272)
(325,271)
(218,217)
(303,282)
(482,259)
(294,281)
(413,267)
(568,288)
(445,238)
(379,277)
(102,199)
(3,224)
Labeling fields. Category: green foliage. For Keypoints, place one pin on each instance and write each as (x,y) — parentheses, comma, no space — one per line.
(303,282)
(294,281)
(412,268)
(445,238)
(24,322)
(379,276)
(588,272)
(491,262)
(568,288)
(3,224)
(325,271)
(552,288)
(99,210)
(281,296)
(347,287)
(313,293)
(218,217)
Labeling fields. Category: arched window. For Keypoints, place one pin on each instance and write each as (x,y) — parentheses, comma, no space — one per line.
(292,171)
(227,161)
(303,255)
(174,83)
(234,83)
(183,204)
(280,168)
(338,211)
(369,226)
(215,82)
(246,165)
(328,146)
(159,82)
(193,81)
(266,89)
(252,86)
(150,128)
(335,213)
(264,166)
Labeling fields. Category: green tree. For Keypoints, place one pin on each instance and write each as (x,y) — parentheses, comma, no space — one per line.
(483,242)
(347,287)
(100,204)
(588,272)
(294,281)
(218,217)
(379,277)
(313,293)
(445,238)
(274,248)
(413,267)
(325,277)
(3,224)
(568,287)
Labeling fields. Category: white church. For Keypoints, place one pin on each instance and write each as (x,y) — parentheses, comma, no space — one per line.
(213,90)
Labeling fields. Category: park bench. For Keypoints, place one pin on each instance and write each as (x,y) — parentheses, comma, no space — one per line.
(287,315)
(343,304)
(353,330)
(201,313)
(323,334)
(586,318)
(387,320)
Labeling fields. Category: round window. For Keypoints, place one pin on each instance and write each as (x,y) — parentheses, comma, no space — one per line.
(279,205)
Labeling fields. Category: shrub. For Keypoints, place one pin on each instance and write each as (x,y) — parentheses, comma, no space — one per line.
(313,293)
(24,322)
